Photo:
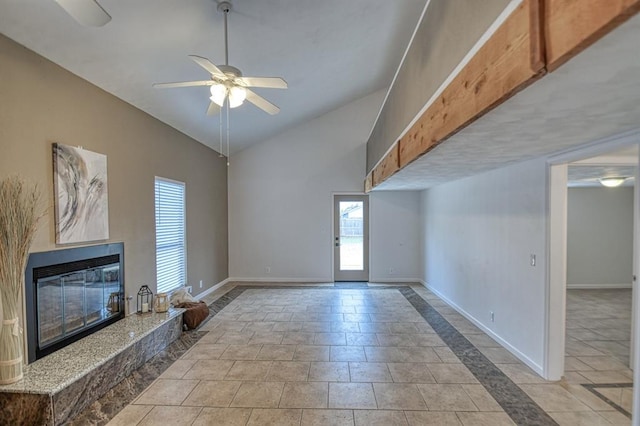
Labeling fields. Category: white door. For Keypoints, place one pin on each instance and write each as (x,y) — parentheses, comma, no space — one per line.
(351,237)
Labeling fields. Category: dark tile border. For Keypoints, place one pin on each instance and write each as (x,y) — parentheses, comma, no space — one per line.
(593,388)
(516,403)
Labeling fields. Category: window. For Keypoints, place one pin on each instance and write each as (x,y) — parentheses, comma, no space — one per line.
(170,234)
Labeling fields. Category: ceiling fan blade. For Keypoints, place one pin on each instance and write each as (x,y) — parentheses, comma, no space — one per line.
(213,108)
(87,12)
(183,84)
(268,82)
(262,103)
(207,65)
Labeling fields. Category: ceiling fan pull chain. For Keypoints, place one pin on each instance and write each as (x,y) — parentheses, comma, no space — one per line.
(228,153)
(221,152)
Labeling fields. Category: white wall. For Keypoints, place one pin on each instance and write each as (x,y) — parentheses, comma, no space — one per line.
(479,235)
(280,198)
(599,237)
(394,236)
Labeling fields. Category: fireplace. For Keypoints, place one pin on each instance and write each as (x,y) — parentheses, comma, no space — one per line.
(72,293)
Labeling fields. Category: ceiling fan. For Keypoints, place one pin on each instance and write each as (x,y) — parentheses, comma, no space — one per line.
(87,12)
(227,83)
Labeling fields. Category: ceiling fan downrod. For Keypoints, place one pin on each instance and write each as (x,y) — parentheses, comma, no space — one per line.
(225,7)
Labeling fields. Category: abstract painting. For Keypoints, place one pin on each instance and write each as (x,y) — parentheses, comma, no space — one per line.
(81,201)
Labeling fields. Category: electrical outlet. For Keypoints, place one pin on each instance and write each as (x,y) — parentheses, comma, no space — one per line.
(532,260)
(268,269)
(189,289)
(492,317)
(200,283)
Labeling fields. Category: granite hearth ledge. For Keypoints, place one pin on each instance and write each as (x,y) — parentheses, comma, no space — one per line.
(62,384)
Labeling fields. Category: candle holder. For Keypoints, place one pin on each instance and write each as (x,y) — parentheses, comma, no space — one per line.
(144,304)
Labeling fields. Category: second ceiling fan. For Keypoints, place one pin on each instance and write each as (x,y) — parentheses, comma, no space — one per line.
(227,83)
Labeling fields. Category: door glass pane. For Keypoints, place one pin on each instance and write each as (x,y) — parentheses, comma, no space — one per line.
(351,236)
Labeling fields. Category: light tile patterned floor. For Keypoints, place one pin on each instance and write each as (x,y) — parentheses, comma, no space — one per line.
(333,356)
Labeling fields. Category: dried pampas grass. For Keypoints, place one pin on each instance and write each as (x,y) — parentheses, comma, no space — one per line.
(19,216)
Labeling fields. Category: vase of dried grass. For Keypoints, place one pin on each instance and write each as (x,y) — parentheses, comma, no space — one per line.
(18,222)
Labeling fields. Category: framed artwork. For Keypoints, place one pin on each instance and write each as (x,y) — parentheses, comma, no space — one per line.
(81,199)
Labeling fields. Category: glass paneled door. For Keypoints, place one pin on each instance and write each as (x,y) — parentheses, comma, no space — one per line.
(351,237)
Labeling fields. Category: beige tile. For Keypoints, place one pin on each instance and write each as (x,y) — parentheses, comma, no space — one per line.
(481,398)
(311,353)
(388,339)
(574,377)
(267,338)
(205,351)
(163,416)
(211,337)
(446,398)
(579,418)
(249,370)
(305,395)
(327,418)
(347,353)
(211,393)
(383,354)
(499,355)
(369,372)
(605,376)
(587,397)
(235,338)
(345,327)
(417,354)
(410,372)
(241,352)
(351,395)
(520,373)
(446,355)
(166,392)
(258,394)
(451,373)
(298,338)
(275,417)
(178,369)
(288,371)
(329,372)
(362,339)
(431,340)
(398,396)
(276,352)
(379,418)
(288,326)
(482,341)
(602,363)
(432,418)
(209,369)
(627,399)
(130,415)
(223,417)
(572,363)
(316,326)
(554,397)
(616,418)
(330,339)
(485,419)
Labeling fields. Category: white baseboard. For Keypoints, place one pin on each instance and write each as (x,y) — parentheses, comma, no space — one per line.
(280,280)
(394,280)
(212,289)
(598,286)
(522,357)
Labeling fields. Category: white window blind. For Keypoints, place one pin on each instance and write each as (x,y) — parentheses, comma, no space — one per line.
(170,234)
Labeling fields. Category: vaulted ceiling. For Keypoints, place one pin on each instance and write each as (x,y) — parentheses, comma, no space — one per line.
(330,52)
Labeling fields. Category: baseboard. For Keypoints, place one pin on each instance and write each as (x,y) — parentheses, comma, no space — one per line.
(394,280)
(522,357)
(212,289)
(598,286)
(280,280)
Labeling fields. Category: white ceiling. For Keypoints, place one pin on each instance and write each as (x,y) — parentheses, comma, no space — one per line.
(593,96)
(331,52)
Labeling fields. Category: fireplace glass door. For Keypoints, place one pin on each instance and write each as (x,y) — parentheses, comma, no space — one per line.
(69,303)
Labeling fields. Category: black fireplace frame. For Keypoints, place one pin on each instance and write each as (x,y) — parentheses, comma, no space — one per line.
(60,257)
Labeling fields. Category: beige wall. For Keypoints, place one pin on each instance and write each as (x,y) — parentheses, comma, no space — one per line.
(445,35)
(41,103)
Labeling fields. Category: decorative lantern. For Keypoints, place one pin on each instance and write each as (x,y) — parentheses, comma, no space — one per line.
(145,300)
(113,305)
(162,302)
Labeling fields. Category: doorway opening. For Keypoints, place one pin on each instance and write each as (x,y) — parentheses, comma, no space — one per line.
(351,237)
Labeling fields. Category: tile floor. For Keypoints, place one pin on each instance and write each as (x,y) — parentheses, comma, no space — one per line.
(365,356)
